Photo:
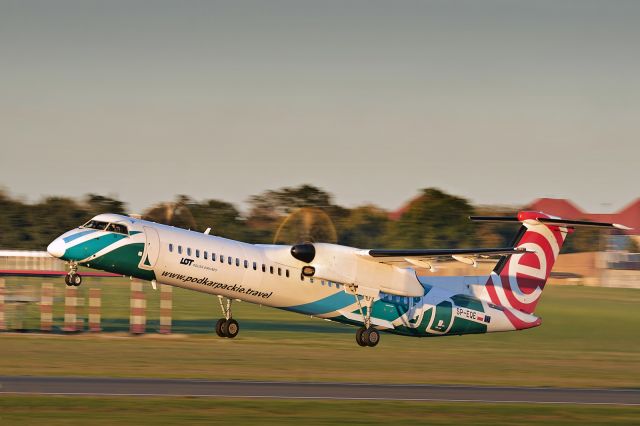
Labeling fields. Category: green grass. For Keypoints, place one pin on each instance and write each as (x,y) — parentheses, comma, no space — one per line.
(37,410)
(589,338)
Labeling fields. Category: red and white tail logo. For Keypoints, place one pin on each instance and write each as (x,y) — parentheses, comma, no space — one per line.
(520,282)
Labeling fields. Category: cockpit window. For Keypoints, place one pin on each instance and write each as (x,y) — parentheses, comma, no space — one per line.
(116,227)
(95,224)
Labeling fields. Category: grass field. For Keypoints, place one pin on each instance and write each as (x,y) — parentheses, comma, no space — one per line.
(589,338)
(29,410)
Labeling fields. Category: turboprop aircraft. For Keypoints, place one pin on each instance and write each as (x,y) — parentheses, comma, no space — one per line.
(375,290)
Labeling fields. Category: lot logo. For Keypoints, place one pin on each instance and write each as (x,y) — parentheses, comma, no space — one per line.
(186,261)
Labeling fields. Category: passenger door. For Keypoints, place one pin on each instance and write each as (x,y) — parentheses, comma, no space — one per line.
(151,248)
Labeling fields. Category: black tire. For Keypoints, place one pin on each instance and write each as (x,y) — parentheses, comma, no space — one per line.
(75,279)
(219,327)
(67,280)
(373,337)
(231,328)
(359,337)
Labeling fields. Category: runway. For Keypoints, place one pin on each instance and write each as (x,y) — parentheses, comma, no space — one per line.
(88,386)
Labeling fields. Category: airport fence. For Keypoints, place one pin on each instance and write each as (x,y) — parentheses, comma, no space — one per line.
(29,304)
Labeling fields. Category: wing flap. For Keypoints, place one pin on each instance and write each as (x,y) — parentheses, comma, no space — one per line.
(424,258)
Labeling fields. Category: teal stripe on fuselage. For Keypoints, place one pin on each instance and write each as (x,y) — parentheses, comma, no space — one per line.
(336,301)
(123,260)
(91,247)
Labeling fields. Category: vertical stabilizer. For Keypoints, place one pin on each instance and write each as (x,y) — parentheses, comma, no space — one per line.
(518,280)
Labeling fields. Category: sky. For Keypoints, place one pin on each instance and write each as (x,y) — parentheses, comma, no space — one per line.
(500,102)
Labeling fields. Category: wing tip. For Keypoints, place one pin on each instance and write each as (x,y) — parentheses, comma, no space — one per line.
(622,227)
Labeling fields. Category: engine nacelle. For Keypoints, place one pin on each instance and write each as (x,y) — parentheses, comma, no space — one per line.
(365,276)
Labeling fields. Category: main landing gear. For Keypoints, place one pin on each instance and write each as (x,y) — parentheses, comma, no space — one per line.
(73,279)
(367,335)
(227,326)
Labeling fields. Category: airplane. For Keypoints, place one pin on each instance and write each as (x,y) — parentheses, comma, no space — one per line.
(373,289)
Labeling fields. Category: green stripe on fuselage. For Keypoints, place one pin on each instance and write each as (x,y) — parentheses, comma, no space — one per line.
(465,301)
(123,260)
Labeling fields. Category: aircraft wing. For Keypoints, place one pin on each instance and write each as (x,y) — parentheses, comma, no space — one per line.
(425,258)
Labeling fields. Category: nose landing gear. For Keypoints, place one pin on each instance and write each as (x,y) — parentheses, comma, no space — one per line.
(73,278)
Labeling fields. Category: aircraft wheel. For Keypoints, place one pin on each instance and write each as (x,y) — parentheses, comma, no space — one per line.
(360,337)
(75,279)
(373,337)
(219,327)
(67,280)
(231,328)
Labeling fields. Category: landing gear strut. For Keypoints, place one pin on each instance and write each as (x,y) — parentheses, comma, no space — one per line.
(367,335)
(73,278)
(227,326)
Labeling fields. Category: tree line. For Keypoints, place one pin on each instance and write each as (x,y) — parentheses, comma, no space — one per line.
(434,219)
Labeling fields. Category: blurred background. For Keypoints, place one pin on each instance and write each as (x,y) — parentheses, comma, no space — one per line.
(290,215)
(373,124)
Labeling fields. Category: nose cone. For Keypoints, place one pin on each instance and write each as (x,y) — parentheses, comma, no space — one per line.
(57,248)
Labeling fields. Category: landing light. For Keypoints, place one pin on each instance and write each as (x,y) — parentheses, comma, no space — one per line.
(308,271)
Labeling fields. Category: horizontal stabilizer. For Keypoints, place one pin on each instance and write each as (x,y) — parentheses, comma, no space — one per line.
(542,218)
(572,223)
(494,219)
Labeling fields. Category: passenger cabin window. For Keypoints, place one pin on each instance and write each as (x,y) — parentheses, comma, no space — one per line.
(188,251)
(229,260)
(95,224)
(197,253)
(171,247)
(246,264)
(213,257)
(237,262)
(279,271)
(255,266)
(287,273)
(179,249)
(264,268)
(221,258)
(271,269)
(118,228)
(205,255)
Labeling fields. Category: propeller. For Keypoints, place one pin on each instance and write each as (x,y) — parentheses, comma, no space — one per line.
(306,224)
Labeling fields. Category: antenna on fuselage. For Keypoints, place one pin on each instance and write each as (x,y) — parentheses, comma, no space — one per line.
(207,231)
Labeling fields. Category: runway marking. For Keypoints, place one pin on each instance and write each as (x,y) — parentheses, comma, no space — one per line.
(277,383)
(485,401)
(204,388)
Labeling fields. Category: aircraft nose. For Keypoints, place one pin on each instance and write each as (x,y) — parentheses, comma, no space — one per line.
(56,248)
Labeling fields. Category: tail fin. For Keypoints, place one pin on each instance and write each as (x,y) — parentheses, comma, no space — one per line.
(518,280)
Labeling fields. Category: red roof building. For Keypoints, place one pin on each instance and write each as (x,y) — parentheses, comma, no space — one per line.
(628,216)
